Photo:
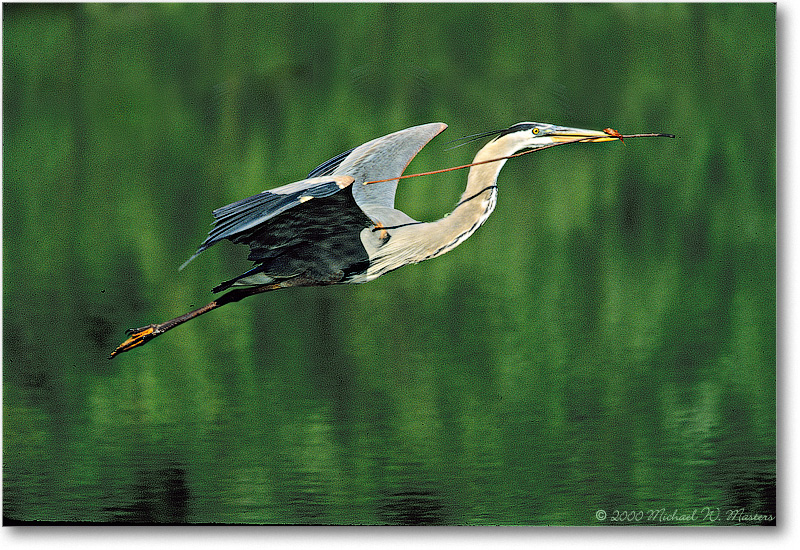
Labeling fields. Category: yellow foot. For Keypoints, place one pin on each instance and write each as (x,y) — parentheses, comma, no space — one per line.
(138,336)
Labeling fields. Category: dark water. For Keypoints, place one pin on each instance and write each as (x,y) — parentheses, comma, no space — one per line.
(601,352)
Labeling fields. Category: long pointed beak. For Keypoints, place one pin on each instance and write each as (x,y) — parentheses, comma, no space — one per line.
(563,134)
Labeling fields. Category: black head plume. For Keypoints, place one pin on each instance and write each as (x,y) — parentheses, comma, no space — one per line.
(499,133)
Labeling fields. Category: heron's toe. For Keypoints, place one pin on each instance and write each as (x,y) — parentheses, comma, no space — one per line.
(138,336)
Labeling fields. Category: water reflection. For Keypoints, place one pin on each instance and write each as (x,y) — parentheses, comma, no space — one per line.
(496,461)
(415,507)
(160,496)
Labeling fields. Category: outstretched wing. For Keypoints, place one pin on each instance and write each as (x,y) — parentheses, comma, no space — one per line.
(382,158)
(243,216)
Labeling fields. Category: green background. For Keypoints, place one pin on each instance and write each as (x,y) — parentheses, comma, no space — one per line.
(605,342)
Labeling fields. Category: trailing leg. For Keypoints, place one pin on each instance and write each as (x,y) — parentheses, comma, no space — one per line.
(142,335)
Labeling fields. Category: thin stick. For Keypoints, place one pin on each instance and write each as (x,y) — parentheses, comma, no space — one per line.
(577,140)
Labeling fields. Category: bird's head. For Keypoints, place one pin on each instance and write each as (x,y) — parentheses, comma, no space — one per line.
(531,135)
(534,135)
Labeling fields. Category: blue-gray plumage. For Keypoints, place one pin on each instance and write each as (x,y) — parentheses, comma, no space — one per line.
(330,228)
(242,217)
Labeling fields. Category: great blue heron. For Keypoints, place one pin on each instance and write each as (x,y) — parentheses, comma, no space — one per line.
(330,228)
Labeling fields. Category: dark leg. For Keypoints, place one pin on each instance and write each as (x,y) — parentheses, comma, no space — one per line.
(139,336)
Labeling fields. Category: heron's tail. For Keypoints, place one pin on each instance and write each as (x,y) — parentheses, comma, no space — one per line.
(250,278)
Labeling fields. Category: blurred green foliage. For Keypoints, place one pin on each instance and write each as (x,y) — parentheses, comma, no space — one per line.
(606,341)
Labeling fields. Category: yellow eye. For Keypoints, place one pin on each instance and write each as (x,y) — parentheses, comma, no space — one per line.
(535,131)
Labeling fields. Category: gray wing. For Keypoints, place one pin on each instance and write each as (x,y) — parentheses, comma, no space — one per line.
(243,216)
(382,158)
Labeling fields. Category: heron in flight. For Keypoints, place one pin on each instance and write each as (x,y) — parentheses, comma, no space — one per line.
(333,228)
